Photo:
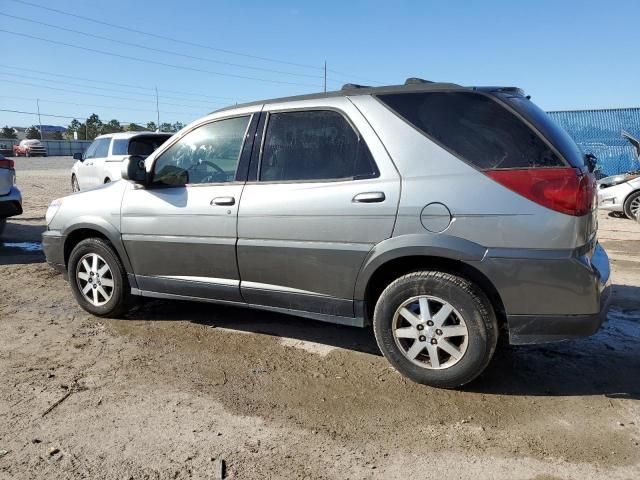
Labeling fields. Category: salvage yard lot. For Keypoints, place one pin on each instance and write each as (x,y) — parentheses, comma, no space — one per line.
(176,385)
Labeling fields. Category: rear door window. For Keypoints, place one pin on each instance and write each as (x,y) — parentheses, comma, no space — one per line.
(475,128)
(120,147)
(313,145)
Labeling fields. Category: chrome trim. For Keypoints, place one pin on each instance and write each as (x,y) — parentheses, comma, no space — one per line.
(217,281)
(278,288)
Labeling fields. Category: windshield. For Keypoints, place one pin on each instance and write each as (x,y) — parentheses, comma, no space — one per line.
(553,132)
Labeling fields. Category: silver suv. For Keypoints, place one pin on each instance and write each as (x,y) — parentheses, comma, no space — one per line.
(444,215)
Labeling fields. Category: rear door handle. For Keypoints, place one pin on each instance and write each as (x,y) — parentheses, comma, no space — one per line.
(369,197)
(223,201)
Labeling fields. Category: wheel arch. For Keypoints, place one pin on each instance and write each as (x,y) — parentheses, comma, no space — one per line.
(391,259)
(95,228)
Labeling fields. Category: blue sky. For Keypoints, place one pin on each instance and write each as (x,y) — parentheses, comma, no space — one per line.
(566,54)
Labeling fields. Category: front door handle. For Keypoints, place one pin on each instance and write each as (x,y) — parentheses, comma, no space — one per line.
(369,197)
(223,201)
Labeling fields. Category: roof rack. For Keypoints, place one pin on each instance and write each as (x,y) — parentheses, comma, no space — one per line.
(352,86)
(416,81)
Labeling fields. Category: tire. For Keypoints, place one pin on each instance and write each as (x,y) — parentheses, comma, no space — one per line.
(111,296)
(469,309)
(75,186)
(107,180)
(3,223)
(632,205)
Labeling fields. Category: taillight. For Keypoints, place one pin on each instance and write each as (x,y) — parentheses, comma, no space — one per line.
(565,190)
(6,163)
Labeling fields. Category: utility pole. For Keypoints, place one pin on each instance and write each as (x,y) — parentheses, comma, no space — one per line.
(325,76)
(39,119)
(157,109)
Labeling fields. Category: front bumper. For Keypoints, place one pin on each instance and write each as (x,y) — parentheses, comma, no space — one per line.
(612,198)
(53,248)
(11,203)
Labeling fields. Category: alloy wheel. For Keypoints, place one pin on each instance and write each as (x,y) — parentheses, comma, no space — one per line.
(94,279)
(430,332)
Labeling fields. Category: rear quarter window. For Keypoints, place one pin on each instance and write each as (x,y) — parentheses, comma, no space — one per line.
(475,128)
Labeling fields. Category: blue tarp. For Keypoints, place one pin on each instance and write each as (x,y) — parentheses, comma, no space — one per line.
(600,132)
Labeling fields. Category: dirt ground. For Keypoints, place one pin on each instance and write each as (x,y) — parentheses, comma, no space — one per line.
(176,386)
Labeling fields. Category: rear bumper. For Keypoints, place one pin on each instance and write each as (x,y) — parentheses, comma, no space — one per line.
(552,296)
(11,203)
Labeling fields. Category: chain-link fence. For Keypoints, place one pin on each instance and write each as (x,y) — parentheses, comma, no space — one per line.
(600,132)
(54,147)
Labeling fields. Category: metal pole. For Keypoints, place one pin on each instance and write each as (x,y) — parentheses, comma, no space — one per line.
(157,109)
(325,76)
(39,119)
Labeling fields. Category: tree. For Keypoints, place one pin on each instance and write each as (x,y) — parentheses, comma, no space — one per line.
(75,126)
(152,126)
(54,136)
(177,126)
(93,126)
(166,127)
(32,133)
(132,127)
(112,126)
(8,132)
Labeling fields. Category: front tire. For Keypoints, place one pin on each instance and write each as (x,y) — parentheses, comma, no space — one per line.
(632,206)
(436,328)
(98,279)
(75,187)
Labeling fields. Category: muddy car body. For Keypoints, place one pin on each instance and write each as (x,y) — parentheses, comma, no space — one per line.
(441,214)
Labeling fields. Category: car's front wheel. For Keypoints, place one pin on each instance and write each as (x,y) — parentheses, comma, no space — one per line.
(98,279)
(75,187)
(436,328)
(632,205)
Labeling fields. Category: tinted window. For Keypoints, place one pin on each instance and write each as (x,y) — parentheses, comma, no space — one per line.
(474,127)
(208,154)
(120,147)
(313,145)
(91,151)
(102,147)
(550,129)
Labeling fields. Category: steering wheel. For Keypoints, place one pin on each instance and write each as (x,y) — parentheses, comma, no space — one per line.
(210,178)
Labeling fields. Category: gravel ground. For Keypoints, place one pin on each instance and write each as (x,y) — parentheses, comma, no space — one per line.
(176,386)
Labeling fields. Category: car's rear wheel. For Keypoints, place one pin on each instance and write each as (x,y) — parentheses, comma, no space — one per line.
(98,279)
(632,205)
(75,187)
(436,328)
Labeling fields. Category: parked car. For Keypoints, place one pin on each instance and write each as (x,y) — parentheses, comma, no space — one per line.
(29,148)
(101,163)
(621,193)
(10,197)
(443,215)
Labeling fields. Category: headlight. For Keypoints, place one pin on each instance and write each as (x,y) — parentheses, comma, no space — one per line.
(52,210)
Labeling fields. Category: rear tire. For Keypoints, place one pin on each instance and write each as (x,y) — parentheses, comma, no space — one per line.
(423,316)
(632,205)
(98,279)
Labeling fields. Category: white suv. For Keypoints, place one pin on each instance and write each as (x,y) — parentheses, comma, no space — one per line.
(102,161)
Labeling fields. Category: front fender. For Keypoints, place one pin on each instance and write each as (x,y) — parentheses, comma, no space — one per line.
(100,225)
(420,244)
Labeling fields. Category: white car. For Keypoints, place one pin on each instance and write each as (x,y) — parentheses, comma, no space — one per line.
(102,161)
(621,193)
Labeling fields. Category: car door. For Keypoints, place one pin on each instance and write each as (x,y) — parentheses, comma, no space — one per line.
(85,167)
(180,232)
(324,192)
(97,172)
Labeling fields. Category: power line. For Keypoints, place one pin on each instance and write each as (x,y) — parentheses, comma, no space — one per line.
(151,96)
(155,62)
(45,100)
(57,116)
(166,52)
(154,35)
(74,77)
(128,99)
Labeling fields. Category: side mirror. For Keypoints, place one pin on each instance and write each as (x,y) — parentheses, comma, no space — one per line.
(590,160)
(77,156)
(133,170)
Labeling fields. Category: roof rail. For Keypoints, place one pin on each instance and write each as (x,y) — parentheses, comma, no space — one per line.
(352,86)
(416,81)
